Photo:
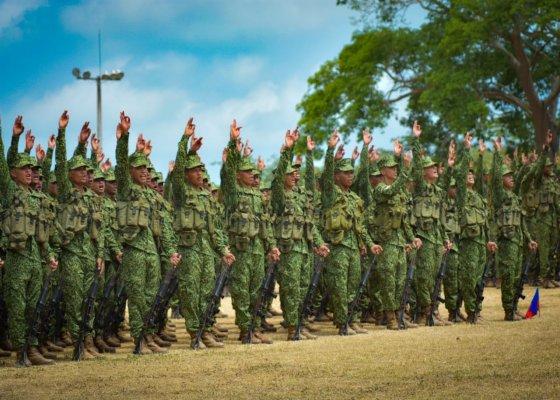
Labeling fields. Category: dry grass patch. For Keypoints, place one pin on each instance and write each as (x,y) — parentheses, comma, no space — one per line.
(494,359)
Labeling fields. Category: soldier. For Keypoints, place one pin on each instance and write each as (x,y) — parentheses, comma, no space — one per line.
(198,235)
(511,232)
(345,234)
(137,215)
(546,195)
(389,229)
(473,240)
(294,232)
(250,238)
(426,213)
(27,245)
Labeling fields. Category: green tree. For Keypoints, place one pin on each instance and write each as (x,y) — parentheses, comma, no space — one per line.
(488,65)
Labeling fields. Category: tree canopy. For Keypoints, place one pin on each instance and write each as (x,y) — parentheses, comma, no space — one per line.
(492,66)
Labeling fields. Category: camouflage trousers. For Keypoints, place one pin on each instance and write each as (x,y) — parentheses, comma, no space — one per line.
(22,285)
(509,257)
(294,279)
(390,274)
(342,272)
(141,275)
(546,236)
(451,282)
(196,274)
(428,259)
(472,258)
(77,276)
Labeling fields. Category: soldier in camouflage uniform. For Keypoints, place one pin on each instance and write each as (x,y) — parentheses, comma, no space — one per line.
(511,232)
(295,232)
(137,216)
(428,224)
(27,245)
(345,234)
(473,239)
(198,235)
(249,235)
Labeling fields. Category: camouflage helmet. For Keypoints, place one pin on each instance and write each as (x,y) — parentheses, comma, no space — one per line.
(77,162)
(344,165)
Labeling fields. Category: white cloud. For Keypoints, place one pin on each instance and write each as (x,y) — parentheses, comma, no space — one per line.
(12,12)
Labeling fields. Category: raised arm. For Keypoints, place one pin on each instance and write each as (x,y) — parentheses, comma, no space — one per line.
(327,194)
(61,169)
(309,167)
(177,177)
(277,196)
(124,181)
(231,163)
(417,169)
(498,190)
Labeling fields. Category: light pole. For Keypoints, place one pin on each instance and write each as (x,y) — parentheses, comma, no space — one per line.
(107,76)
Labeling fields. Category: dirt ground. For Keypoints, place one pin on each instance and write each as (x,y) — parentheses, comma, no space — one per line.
(492,360)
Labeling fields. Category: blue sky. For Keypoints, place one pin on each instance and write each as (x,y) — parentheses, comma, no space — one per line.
(211,59)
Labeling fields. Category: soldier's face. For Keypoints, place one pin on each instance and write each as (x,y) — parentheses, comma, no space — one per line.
(35,177)
(159,188)
(194,177)
(431,174)
(152,184)
(256,181)
(296,176)
(78,176)
(266,194)
(111,188)
(344,179)
(547,170)
(508,182)
(470,179)
(374,180)
(245,178)
(290,180)
(53,189)
(22,176)
(98,186)
(216,194)
(389,173)
(139,175)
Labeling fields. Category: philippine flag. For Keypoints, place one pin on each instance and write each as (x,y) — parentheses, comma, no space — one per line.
(534,307)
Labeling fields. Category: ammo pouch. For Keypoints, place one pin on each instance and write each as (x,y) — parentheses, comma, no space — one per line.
(95,228)
(244,224)
(187,238)
(471,231)
(508,232)
(334,237)
(19,224)
(425,224)
(241,243)
(134,213)
(337,219)
(285,245)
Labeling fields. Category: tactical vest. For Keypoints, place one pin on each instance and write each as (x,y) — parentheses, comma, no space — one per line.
(475,215)
(342,218)
(45,218)
(426,208)
(190,219)
(530,203)
(450,218)
(73,216)
(386,217)
(134,214)
(290,225)
(245,222)
(19,221)
(546,196)
(508,217)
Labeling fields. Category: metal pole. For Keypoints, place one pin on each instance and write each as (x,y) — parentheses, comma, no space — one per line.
(99,127)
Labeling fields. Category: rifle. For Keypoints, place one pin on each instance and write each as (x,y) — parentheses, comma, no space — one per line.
(155,309)
(117,313)
(436,294)
(406,291)
(87,310)
(479,289)
(56,309)
(353,306)
(103,308)
(35,325)
(166,300)
(265,289)
(304,310)
(211,306)
(524,278)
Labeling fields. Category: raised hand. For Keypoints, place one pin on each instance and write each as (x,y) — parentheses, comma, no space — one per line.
(355,153)
(196,143)
(140,143)
(310,143)
(29,140)
(99,156)
(339,153)
(95,144)
(189,128)
(260,164)
(148,148)
(289,139)
(234,130)
(224,155)
(481,146)
(407,158)
(497,142)
(247,149)
(367,136)
(106,165)
(397,147)
(295,134)
(467,142)
(40,153)
(63,120)
(52,142)
(333,139)
(416,129)
(18,127)
(84,133)
(171,166)
(125,122)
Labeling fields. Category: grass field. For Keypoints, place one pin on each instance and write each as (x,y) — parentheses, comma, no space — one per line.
(492,360)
